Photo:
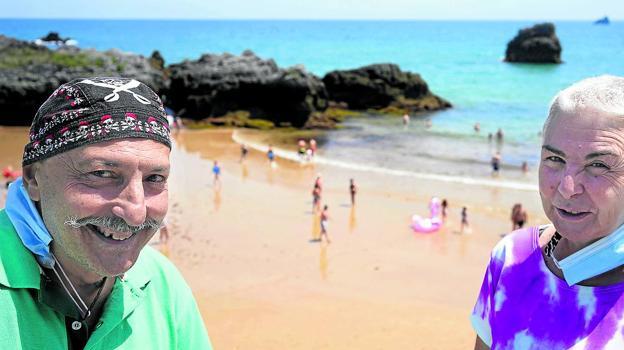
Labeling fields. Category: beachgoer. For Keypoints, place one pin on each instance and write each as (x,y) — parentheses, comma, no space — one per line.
(561,286)
(75,269)
(499,135)
(406,119)
(496,162)
(352,191)
(324,220)
(319,182)
(477,127)
(244,152)
(313,147)
(271,154)
(525,167)
(216,171)
(316,199)
(301,149)
(464,219)
(444,208)
(490,137)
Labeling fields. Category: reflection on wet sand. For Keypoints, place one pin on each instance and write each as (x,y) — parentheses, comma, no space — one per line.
(323,261)
(217,199)
(352,219)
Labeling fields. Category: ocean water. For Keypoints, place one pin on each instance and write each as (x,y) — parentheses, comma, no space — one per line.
(460,60)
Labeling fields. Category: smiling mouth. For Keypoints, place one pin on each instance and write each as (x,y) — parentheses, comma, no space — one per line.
(110,235)
(572,214)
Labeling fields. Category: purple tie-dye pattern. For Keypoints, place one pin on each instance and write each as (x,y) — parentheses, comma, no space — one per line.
(522,305)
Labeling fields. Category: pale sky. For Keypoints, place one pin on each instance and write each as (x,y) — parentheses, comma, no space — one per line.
(317,9)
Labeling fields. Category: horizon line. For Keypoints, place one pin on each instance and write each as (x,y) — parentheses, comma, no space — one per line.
(318,19)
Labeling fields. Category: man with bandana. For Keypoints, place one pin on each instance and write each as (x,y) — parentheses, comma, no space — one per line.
(74,269)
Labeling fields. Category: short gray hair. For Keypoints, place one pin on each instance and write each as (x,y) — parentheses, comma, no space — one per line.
(604,93)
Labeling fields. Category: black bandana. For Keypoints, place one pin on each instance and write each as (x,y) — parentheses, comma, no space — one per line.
(91,110)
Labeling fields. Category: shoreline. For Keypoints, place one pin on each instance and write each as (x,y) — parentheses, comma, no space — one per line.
(261,281)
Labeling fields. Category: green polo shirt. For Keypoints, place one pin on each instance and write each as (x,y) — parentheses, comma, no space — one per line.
(152,307)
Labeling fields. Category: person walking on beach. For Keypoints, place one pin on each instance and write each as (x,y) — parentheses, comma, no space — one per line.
(444,208)
(496,160)
(319,182)
(406,119)
(244,152)
(216,171)
(352,191)
(316,199)
(464,220)
(271,156)
(324,220)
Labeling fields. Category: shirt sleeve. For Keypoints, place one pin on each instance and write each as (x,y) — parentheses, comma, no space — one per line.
(483,310)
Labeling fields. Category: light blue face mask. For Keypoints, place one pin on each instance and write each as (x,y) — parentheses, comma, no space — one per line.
(28,223)
(599,257)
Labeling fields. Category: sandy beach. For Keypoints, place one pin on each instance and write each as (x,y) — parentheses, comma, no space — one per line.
(263,282)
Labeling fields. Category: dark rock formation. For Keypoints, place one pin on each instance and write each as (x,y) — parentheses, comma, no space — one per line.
(30,73)
(537,44)
(217,84)
(157,60)
(379,86)
(54,37)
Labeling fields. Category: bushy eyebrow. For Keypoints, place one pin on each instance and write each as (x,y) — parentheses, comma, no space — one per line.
(113,164)
(552,149)
(589,156)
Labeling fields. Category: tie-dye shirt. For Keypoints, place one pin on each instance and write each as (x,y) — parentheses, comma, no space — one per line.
(522,305)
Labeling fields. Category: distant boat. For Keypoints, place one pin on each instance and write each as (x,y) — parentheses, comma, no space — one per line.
(603,20)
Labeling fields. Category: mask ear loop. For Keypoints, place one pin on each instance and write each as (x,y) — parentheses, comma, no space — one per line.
(85,311)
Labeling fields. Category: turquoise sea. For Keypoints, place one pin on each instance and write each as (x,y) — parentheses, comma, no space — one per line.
(461,61)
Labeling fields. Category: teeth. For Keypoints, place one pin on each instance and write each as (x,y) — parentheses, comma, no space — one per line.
(117,236)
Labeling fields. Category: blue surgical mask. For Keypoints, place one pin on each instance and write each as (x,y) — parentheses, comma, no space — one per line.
(599,257)
(28,223)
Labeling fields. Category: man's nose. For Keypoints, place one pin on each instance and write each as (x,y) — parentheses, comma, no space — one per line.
(570,185)
(130,204)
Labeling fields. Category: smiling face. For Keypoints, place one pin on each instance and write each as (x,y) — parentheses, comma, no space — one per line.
(581,174)
(124,179)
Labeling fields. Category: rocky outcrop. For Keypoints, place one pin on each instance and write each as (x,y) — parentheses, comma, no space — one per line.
(29,73)
(537,44)
(217,84)
(380,86)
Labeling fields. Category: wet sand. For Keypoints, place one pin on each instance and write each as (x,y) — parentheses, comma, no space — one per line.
(262,282)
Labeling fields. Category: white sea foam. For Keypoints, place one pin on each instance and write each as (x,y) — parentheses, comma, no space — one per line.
(293,156)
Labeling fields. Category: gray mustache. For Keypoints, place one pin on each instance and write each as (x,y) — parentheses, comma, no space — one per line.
(112,223)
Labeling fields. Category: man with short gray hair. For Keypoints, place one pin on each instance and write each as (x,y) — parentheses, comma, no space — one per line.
(74,269)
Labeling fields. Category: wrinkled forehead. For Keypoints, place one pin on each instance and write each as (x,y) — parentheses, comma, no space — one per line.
(584,118)
(123,153)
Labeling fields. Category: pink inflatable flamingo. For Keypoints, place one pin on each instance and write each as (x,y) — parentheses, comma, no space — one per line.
(433,222)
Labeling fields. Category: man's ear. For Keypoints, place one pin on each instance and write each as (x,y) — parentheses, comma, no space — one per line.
(29,175)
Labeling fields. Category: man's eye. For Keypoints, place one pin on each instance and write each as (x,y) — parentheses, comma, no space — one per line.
(555,159)
(156,178)
(103,174)
(599,165)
